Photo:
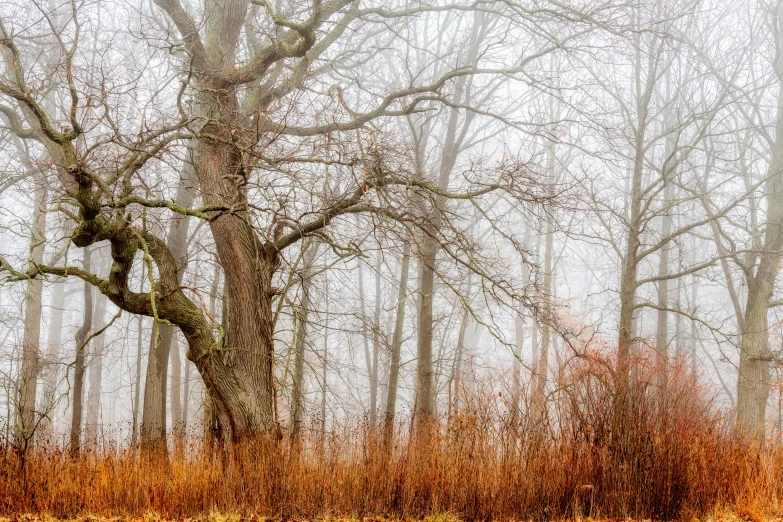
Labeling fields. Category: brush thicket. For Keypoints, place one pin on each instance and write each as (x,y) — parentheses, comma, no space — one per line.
(669,455)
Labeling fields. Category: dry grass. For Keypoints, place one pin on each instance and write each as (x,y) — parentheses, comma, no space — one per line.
(670,457)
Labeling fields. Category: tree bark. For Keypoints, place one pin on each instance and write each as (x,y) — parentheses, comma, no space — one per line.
(753,377)
(248,268)
(694,333)
(243,392)
(153,420)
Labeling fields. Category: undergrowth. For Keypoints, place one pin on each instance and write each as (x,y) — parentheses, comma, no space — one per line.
(667,455)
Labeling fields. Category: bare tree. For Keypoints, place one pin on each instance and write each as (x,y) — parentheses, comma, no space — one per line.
(753,379)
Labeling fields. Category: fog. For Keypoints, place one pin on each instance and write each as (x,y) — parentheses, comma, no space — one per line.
(234,217)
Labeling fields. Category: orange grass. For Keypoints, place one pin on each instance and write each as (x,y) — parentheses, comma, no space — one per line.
(670,457)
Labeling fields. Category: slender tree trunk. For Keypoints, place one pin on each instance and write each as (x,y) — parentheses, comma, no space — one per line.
(95,364)
(694,326)
(370,359)
(457,378)
(153,429)
(49,400)
(82,336)
(300,342)
(516,369)
(425,407)
(424,411)
(186,388)
(535,345)
(678,320)
(28,382)
(542,368)
(209,408)
(175,391)
(324,368)
(662,330)
(376,344)
(644,88)
(628,282)
(137,386)
(396,347)
(153,419)
(519,327)
(662,325)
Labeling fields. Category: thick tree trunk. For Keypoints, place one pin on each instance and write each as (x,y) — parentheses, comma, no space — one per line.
(82,336)
(245,395)
(28,382)
(242,384)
